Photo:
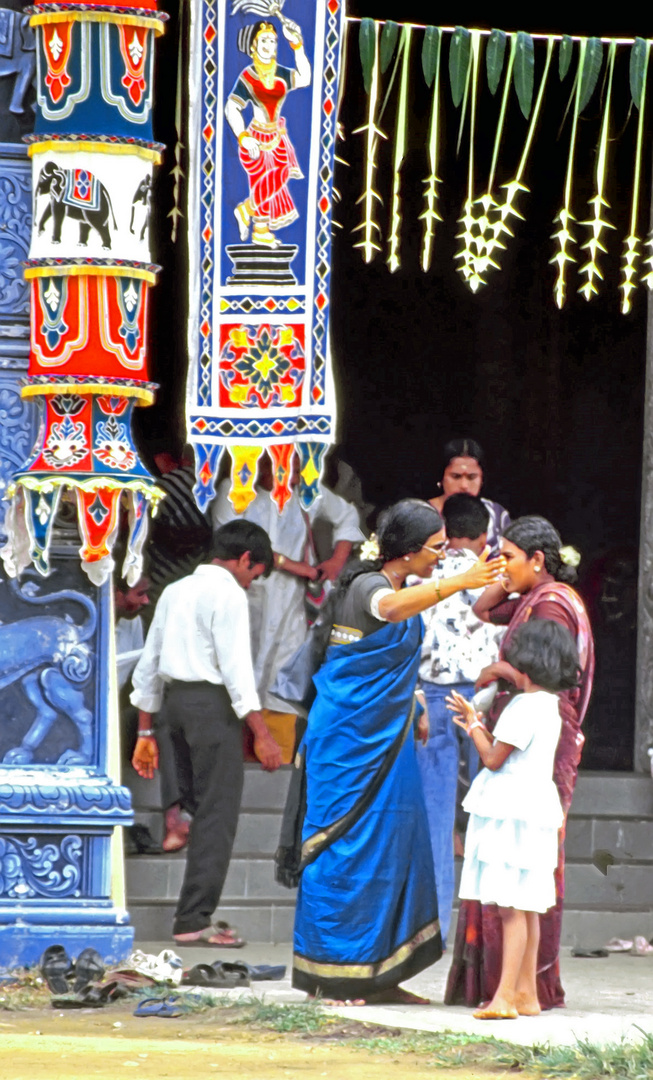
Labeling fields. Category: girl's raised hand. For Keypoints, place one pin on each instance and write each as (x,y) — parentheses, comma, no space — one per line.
(463,711)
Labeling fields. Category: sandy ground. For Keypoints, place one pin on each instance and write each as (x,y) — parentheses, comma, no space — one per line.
(112,1043)
(607,1000)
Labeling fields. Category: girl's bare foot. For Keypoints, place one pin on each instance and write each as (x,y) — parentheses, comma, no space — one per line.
(497,1009)
(527,1006)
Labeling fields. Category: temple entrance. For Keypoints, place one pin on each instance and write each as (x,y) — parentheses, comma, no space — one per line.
(554,397)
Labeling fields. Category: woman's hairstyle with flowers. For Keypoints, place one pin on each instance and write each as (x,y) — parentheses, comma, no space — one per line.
(533,533)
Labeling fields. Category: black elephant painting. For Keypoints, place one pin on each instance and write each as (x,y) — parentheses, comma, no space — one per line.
(78,195)
(143,195)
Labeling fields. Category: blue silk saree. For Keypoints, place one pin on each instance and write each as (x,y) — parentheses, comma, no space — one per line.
(367,915)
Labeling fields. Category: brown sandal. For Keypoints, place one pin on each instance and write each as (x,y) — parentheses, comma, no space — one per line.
(219,936)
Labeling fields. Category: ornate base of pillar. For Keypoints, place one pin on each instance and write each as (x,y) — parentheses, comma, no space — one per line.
(23,945)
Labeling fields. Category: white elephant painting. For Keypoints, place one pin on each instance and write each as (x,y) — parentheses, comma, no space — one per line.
(86,204)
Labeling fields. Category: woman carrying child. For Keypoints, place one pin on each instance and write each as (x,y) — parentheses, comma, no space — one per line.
(511,849)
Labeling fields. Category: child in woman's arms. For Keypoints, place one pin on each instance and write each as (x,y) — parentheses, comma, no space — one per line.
(511,849)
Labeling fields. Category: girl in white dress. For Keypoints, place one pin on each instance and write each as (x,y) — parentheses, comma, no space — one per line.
(511,848)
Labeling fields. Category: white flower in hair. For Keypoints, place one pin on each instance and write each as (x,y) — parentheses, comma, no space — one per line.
(370,548)
(569,556)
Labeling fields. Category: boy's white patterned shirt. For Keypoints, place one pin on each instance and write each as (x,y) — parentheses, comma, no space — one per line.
(457,645)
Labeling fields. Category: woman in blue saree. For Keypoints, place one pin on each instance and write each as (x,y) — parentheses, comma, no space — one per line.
(367,915)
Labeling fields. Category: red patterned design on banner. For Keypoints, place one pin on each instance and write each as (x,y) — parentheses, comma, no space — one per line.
(89,326)
(67,441)
(261,367)
(282,473)
(97,513)
(57,40)
(133,49)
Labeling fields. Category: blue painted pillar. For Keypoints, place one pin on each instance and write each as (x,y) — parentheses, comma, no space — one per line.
(60,854)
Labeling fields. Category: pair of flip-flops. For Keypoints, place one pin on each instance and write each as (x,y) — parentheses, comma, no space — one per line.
(58,969)
(227,976)
(165,1008)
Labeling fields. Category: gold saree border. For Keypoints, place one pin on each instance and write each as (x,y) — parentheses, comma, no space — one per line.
(369,971)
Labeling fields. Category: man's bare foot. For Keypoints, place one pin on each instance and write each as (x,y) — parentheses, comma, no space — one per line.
(527,1006)
(177,829)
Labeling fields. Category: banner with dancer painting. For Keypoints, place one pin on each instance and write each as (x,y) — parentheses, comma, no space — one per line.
(263,88)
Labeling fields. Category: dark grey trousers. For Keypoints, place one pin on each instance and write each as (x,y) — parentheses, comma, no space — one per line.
(207,739)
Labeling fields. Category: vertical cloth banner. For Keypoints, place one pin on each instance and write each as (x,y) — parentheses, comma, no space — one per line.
(263,93)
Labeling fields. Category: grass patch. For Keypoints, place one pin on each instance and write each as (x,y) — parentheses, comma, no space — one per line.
(618,1061)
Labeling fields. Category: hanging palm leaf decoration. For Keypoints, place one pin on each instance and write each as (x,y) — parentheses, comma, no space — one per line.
(368,42)
(399,152)
(431,52)
(639,58)
(488,237)
(589,65)
(470,247)
(507,209)
(598,224)
(485,223)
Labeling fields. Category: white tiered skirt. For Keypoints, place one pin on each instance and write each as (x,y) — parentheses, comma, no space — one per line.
(510,863)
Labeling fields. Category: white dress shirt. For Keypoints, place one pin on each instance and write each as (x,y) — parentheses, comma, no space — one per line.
(200,633)
(276,604)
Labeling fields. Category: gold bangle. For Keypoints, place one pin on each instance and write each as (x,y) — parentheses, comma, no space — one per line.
(436,585)
(243,135)
(299,45)
(281,559)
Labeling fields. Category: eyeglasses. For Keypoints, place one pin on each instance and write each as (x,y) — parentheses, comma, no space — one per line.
(437,550)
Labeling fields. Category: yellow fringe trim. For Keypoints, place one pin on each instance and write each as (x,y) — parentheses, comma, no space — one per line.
(99,17)
(57,145)
(145,397)
(34,483)
(30,272)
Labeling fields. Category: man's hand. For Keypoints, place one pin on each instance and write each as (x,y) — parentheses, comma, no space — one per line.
(266,749)
(145,758)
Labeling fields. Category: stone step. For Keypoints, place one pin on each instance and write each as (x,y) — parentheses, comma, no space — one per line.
(610,794)
(261,790)
(153,921)
(257,833)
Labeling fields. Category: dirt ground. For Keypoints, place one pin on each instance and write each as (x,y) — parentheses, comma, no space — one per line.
(108,1043)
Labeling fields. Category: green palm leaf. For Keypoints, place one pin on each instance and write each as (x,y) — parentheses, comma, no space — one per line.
(524,72)
(389,37)
(590,71)
(431,52)
(638,62)
(366,46)
(459,57)
(564,55)
(496,51)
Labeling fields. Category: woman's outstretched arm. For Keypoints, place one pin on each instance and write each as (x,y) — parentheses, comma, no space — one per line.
(417,598)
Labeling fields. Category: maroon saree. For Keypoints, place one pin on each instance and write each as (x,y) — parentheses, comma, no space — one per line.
(476,966)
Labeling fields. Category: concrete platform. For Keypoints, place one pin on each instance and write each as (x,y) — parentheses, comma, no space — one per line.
(607,1000)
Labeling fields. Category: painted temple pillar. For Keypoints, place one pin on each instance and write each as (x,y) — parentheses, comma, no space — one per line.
(69,379)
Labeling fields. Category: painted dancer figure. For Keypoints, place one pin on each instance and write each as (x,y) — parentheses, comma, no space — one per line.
(265,150)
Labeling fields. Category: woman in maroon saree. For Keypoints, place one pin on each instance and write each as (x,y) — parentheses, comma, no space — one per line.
(535,568)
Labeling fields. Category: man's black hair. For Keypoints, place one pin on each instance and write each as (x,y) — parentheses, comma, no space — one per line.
(546,652)
(236,537)
(465,515)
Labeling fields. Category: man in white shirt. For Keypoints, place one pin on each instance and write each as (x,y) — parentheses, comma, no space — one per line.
(277,606)
(196,669)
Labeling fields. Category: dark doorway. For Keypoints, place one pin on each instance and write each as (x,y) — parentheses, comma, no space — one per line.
(555,397)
